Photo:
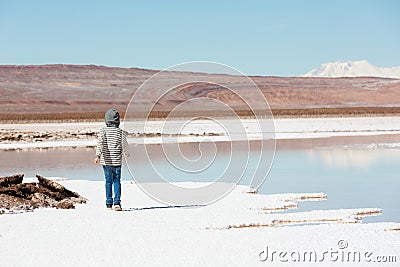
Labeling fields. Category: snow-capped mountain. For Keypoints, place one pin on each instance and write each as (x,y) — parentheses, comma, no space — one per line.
(353,69)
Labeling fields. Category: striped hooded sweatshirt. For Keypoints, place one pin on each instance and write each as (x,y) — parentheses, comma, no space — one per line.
(111,141)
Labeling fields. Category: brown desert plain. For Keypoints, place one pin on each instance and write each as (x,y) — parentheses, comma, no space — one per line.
(83,92)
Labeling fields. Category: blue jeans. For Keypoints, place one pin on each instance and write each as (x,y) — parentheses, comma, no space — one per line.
(113,178)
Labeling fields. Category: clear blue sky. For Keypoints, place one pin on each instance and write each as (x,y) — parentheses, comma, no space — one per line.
(282,38)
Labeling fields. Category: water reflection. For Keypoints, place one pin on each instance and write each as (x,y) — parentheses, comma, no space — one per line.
(352,158)
(352,178)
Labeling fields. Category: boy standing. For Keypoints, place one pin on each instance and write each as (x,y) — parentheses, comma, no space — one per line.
(111,144)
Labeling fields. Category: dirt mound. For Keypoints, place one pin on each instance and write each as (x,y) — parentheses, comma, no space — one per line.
(16,196)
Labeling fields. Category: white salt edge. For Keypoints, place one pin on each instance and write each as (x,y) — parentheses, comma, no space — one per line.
(147,233)
(283,129)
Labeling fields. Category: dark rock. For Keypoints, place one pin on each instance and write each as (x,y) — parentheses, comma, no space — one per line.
(17,196)
(56,187)
(11,180)
(65,204)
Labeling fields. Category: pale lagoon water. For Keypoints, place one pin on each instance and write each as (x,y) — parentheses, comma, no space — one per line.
(352,178)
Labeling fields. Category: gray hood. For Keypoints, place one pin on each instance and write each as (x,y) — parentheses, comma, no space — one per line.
(112,118)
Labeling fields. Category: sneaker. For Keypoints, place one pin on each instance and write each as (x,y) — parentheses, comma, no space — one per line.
(109,206)
(117,207)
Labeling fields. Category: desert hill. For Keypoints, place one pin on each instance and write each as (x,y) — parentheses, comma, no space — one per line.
(90,89)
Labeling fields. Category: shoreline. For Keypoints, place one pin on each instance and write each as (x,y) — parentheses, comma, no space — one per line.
(277,113)
(84,134)
(260,222)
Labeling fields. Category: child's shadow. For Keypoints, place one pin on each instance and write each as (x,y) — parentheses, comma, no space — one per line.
(163,207)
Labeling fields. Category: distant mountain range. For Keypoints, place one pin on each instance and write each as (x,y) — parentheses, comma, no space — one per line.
(360,68)
(84,89)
